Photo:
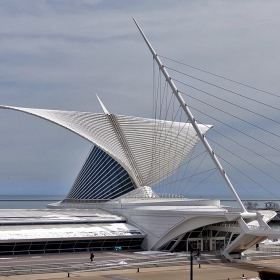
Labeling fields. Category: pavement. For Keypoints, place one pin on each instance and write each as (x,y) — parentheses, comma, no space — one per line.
(222,271)
(210,269)
(106,260)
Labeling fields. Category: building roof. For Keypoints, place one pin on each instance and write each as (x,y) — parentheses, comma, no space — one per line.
(56,216)
(74,231)
(49,224)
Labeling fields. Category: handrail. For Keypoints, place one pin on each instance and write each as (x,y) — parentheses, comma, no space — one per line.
(146,261)
(252,227)
(231,225)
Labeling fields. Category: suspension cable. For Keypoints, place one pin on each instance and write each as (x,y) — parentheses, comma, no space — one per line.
(231,103)
(219,76)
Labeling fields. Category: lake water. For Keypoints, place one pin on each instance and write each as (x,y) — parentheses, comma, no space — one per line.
(40,202)
(27,202)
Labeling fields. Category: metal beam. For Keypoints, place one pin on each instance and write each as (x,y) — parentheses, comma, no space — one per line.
(191,119)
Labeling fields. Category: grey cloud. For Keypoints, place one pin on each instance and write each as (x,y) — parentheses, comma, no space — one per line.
(58,54)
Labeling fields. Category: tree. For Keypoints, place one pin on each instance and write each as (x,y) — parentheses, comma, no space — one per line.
(250,205)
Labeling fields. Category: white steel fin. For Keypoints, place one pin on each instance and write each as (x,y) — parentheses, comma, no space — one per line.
(106,112)
(139,135)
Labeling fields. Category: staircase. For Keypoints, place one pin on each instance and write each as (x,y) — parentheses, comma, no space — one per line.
(250,234)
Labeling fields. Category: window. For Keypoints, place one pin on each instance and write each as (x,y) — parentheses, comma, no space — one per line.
(6,247)
(67,245)
(22,246)
(37,246)
(123,242)
(135,242)
(96,243)
(109,243)
(82,244)
(52,245)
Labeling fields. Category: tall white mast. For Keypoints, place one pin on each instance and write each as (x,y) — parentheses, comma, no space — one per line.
(192,119)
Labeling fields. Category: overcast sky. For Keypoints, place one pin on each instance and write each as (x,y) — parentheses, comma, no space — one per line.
(57,54)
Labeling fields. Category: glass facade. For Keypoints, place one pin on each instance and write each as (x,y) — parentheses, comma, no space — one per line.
(202,238)
(101,177)
(64,246)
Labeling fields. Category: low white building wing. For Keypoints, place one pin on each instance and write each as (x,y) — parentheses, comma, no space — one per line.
(65,232)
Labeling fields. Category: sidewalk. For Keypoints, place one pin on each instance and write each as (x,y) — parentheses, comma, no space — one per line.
(207,271)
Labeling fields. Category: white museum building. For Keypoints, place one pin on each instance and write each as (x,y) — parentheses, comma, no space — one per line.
(112,203)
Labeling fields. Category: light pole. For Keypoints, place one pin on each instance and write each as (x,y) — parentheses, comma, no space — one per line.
(191,263)
(192,250)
